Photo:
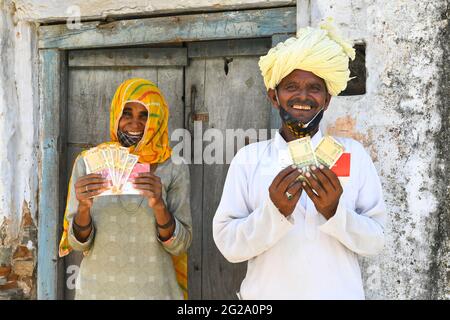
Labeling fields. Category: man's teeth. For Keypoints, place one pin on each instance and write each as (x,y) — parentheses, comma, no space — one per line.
(300,107)
(134,133)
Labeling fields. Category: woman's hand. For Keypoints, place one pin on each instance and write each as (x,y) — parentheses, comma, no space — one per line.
(86,188)
(151,187)
(89,186)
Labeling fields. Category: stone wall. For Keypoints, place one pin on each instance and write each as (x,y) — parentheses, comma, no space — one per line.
(403,121)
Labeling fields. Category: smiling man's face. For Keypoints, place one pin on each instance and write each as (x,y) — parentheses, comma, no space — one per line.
(302,94)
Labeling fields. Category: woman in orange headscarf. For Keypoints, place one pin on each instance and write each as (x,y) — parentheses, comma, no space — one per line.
(134,245)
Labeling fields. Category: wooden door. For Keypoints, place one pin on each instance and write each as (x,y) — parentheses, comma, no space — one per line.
(229,94)
(93,78)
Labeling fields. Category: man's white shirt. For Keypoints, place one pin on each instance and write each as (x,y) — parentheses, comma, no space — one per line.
(303,256)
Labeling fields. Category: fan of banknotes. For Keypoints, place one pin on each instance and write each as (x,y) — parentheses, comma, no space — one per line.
(327,152)
(116,164)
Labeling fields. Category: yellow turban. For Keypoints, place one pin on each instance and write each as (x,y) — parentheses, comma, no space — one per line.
(318,50)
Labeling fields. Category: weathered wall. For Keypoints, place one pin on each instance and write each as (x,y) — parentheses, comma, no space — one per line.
(52,10)
(18,161)
(403,121)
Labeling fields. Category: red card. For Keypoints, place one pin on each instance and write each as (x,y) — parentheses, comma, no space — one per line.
(342,167)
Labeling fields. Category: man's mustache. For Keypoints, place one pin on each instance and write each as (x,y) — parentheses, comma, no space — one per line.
(306,102)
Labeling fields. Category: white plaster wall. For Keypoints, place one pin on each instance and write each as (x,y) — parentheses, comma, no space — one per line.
(18,119)
(397,120)
(57,10)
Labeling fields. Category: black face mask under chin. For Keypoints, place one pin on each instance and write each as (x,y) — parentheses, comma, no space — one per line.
(297,127)
(128,140)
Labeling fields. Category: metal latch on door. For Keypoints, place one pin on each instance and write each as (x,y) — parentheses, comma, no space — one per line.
(196,115)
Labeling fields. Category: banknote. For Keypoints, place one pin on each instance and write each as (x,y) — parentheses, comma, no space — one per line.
(129,165)
(302,153)
(113,152)
(328,151)
(114,163)
(103,150)
(121,162)
(95,162)
(138,168)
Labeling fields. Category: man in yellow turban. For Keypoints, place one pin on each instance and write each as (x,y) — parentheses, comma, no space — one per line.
(301,245)
(315,61)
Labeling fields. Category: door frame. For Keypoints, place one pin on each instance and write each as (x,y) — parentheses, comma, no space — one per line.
(55,41)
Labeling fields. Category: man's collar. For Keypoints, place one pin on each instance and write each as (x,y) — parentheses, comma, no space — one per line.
(280,143)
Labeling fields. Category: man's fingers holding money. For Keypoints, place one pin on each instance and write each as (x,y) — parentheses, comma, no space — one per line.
(332,177)
(322,191)
(282,174)
(315,184)
(288,180)
(323,179)
(294,190)
(285,190)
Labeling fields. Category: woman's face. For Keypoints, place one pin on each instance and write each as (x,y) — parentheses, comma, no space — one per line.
(134,118)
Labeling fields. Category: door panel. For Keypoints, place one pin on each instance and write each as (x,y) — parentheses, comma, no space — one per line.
(230,89)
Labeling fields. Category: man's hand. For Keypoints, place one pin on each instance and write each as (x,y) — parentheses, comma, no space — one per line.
(151,187)
(325,191)
(284,182)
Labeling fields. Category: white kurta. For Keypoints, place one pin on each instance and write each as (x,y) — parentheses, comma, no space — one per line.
(303,256)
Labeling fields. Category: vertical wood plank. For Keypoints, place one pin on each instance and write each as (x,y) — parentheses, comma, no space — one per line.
(170,82)
(195,77)
(51,69)
(64,76)
(234,100)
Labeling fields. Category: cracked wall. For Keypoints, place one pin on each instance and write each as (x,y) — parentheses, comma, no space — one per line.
(18,161)
(402,121)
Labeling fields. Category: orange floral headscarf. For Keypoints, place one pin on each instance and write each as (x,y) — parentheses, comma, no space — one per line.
(154,145)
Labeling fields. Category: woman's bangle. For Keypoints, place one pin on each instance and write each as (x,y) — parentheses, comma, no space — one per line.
(79,228)
(167,225)
(165,239)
